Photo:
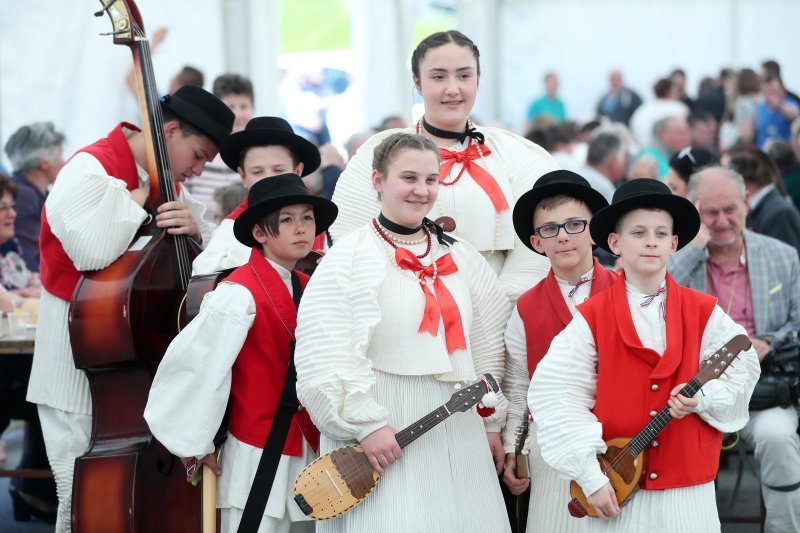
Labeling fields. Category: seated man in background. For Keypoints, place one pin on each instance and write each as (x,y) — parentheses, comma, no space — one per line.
(757,282)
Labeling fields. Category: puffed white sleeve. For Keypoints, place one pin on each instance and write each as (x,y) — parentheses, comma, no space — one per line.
(191,387)
(337,313)
(491,309)
(221,252)
(525,162)
(354,195)
(516,382)
(723,402)
(561,396)
(91,213)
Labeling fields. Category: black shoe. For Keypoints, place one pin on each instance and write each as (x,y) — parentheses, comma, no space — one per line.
(24,510)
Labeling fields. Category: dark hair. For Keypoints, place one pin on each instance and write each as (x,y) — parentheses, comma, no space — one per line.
(270,222)
(662,87)
(540,136)
(747,81)
(440,39)
(783,155)
(189,75)
(678,71)
(391,145)
(6,185)
(772,68)
(232,84)
(602,148)
(186,128)
(755,166)
(292,153)
(699,116)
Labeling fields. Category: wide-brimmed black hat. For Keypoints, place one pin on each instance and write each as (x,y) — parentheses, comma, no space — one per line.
(202,110)
(270,194)
(261,131)
(549,185)
(646,194)
(691,160)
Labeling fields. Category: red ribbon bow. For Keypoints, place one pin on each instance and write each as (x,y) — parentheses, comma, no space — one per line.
(441,305)
(484,180)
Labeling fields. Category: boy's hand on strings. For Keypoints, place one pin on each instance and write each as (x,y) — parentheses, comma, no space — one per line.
(176,217)
(192,465)
(680,405)
(381,448)
(604,501)
(498,453)
(515,484)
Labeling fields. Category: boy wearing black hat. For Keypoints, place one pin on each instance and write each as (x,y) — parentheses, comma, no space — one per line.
(89,219)
(551,219)
(234,356)
(627,353)
(266,147)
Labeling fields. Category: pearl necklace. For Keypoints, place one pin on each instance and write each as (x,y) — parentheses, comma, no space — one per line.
(395,241)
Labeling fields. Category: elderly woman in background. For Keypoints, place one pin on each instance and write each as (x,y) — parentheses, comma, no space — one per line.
(35,150)
(16,281)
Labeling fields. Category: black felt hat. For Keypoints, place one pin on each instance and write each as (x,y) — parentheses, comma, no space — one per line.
(549,185)
(270,194)
(202,110)
(261,131)
(646,194)
(691,160)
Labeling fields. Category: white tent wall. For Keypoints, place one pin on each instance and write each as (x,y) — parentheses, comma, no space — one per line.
(54,65)
(583,39)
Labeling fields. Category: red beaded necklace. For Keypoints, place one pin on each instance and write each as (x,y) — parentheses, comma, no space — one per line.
(380,231)
(442,180)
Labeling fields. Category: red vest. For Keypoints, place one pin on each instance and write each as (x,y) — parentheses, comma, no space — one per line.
(633,381)
(259,372)
(319,240)
(545,314)
(57,271)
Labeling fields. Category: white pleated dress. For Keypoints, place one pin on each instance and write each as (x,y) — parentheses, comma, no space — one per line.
(562,394)
(515,164)
(361,364)
(547,507)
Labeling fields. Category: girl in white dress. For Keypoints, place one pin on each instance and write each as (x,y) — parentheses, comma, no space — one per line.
(397,317)
(482,170)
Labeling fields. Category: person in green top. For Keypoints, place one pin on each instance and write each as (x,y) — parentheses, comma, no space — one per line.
(548,104)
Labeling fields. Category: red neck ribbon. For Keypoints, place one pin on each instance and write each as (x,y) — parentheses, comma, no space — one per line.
(440,306)
(484,180)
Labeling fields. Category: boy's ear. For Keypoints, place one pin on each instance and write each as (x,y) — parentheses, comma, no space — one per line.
(613,243)
(259,234)
(299,169)
(536,242)
(240,171)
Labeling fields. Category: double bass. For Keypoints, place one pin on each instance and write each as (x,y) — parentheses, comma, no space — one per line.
(121,321)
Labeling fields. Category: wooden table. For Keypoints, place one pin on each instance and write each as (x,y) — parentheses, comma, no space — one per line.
(22,347)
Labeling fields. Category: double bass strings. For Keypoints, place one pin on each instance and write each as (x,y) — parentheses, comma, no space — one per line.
(166,183)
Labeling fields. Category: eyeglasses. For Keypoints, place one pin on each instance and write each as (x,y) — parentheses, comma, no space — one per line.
(5,207)
(572,227)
